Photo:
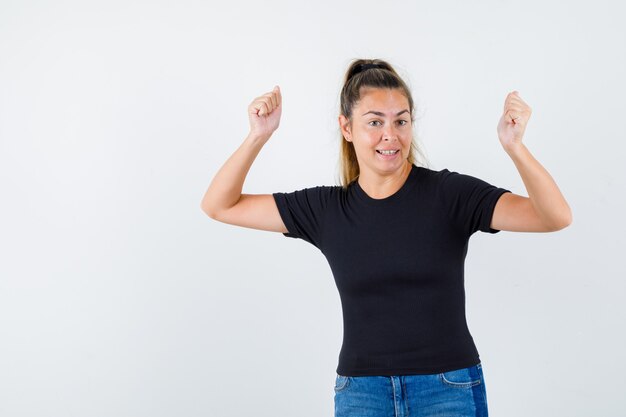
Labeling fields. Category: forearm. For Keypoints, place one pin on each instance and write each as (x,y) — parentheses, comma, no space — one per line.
(543,192)
(227,184)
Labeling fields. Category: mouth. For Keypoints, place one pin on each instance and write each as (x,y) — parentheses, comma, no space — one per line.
(388,155)
(388,152)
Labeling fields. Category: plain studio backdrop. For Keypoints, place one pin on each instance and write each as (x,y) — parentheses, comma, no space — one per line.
(120,297)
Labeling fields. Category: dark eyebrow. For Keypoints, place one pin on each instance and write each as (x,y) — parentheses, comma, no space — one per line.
(377,113)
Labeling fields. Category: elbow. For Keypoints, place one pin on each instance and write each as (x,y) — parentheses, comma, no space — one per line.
(567,218)
(564,221)
(208,211)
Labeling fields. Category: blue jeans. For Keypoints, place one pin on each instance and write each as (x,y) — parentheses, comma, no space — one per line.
(456,393)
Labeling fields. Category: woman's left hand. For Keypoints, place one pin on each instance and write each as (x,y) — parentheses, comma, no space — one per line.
(513,121)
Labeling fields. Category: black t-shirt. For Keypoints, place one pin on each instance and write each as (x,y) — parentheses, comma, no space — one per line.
(398,263)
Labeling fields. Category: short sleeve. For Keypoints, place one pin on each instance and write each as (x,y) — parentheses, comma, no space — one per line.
(302,211)
(469,201)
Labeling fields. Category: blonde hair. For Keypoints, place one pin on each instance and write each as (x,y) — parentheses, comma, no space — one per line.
(369,73)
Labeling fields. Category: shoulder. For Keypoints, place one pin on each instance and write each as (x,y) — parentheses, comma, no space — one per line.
(317,195)
(315,189)
(450,178)
(429,173)
(434,177)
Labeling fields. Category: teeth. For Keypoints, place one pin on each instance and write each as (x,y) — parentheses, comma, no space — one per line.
(387,152)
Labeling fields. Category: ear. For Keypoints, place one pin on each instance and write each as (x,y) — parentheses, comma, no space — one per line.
(344,124)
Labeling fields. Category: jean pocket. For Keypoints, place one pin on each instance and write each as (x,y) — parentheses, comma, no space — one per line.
(461,378)
(341,382)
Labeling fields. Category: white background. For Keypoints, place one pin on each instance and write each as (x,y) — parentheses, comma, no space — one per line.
(120,297)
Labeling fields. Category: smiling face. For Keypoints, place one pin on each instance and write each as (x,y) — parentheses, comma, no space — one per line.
(381,121)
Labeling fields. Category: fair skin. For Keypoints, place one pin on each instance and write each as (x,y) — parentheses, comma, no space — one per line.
(544,210)
(223,200)
(381,120)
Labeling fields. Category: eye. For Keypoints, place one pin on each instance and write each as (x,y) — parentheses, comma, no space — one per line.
(402,122)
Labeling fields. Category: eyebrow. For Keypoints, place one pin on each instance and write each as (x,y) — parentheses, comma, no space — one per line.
(377,113)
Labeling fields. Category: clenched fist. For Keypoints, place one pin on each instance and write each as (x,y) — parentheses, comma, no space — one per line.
(264,113)
(513,121)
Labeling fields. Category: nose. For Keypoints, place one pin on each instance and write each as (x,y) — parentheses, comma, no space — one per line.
(389,133)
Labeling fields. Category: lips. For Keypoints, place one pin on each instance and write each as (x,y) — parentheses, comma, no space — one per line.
(388,157)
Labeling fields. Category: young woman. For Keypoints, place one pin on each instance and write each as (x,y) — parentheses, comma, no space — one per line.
(395,235)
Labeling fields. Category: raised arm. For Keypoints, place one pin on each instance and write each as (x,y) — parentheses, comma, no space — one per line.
(545,209)
(223,200)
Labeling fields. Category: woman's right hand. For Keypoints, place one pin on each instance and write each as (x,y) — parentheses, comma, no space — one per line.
(264,113)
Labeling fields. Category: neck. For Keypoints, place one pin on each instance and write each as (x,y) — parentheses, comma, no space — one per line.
(381,186)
